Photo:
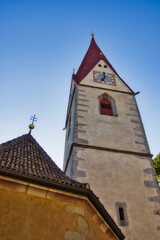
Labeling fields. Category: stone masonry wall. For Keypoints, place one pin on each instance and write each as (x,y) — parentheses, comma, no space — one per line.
(125,178)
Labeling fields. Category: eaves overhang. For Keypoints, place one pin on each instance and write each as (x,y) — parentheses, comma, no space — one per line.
(86,192)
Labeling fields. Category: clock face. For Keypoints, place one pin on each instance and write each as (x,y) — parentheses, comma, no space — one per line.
(105,78)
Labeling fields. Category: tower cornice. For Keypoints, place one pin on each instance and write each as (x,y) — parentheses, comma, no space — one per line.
(87,146)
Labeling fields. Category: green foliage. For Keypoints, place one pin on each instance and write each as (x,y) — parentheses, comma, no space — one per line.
(156,163)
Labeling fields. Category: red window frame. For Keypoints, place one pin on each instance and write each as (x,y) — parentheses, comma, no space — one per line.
(106,107)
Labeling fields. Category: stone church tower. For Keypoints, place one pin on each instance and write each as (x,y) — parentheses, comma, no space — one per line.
(106,146)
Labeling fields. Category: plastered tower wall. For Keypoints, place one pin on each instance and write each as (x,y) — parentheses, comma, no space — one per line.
(111,153)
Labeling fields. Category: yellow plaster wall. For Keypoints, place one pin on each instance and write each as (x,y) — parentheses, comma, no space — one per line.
(28,217)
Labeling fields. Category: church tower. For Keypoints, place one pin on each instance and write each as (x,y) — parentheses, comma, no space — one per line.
(106,146)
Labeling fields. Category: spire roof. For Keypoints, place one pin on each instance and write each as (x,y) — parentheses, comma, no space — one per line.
(24,156)
(92,57)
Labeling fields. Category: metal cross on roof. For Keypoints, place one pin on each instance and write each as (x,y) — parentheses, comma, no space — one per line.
(31,126)
(33,118)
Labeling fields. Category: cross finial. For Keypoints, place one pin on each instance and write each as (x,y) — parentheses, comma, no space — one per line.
(31,126)
(92,33)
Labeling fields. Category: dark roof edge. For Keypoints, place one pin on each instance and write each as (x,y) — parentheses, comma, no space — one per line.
(84,192)
(93,198)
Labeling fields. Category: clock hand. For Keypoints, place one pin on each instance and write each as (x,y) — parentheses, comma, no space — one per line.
(103,76)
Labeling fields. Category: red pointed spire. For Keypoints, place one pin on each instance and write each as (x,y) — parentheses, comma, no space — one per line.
(92,57)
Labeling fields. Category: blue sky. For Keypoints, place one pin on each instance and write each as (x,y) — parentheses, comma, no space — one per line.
(42,41)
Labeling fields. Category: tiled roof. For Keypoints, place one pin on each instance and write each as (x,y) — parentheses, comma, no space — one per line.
(23,155)
(24,158)
(92,57)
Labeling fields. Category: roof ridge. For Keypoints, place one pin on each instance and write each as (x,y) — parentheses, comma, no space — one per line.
(24,156)
(11,142)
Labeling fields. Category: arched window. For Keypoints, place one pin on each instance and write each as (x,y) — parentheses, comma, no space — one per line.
(106,107)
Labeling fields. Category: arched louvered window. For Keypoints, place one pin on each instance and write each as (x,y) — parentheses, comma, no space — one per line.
(106,107)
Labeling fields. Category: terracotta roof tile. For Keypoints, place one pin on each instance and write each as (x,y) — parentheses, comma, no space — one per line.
(25,156)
